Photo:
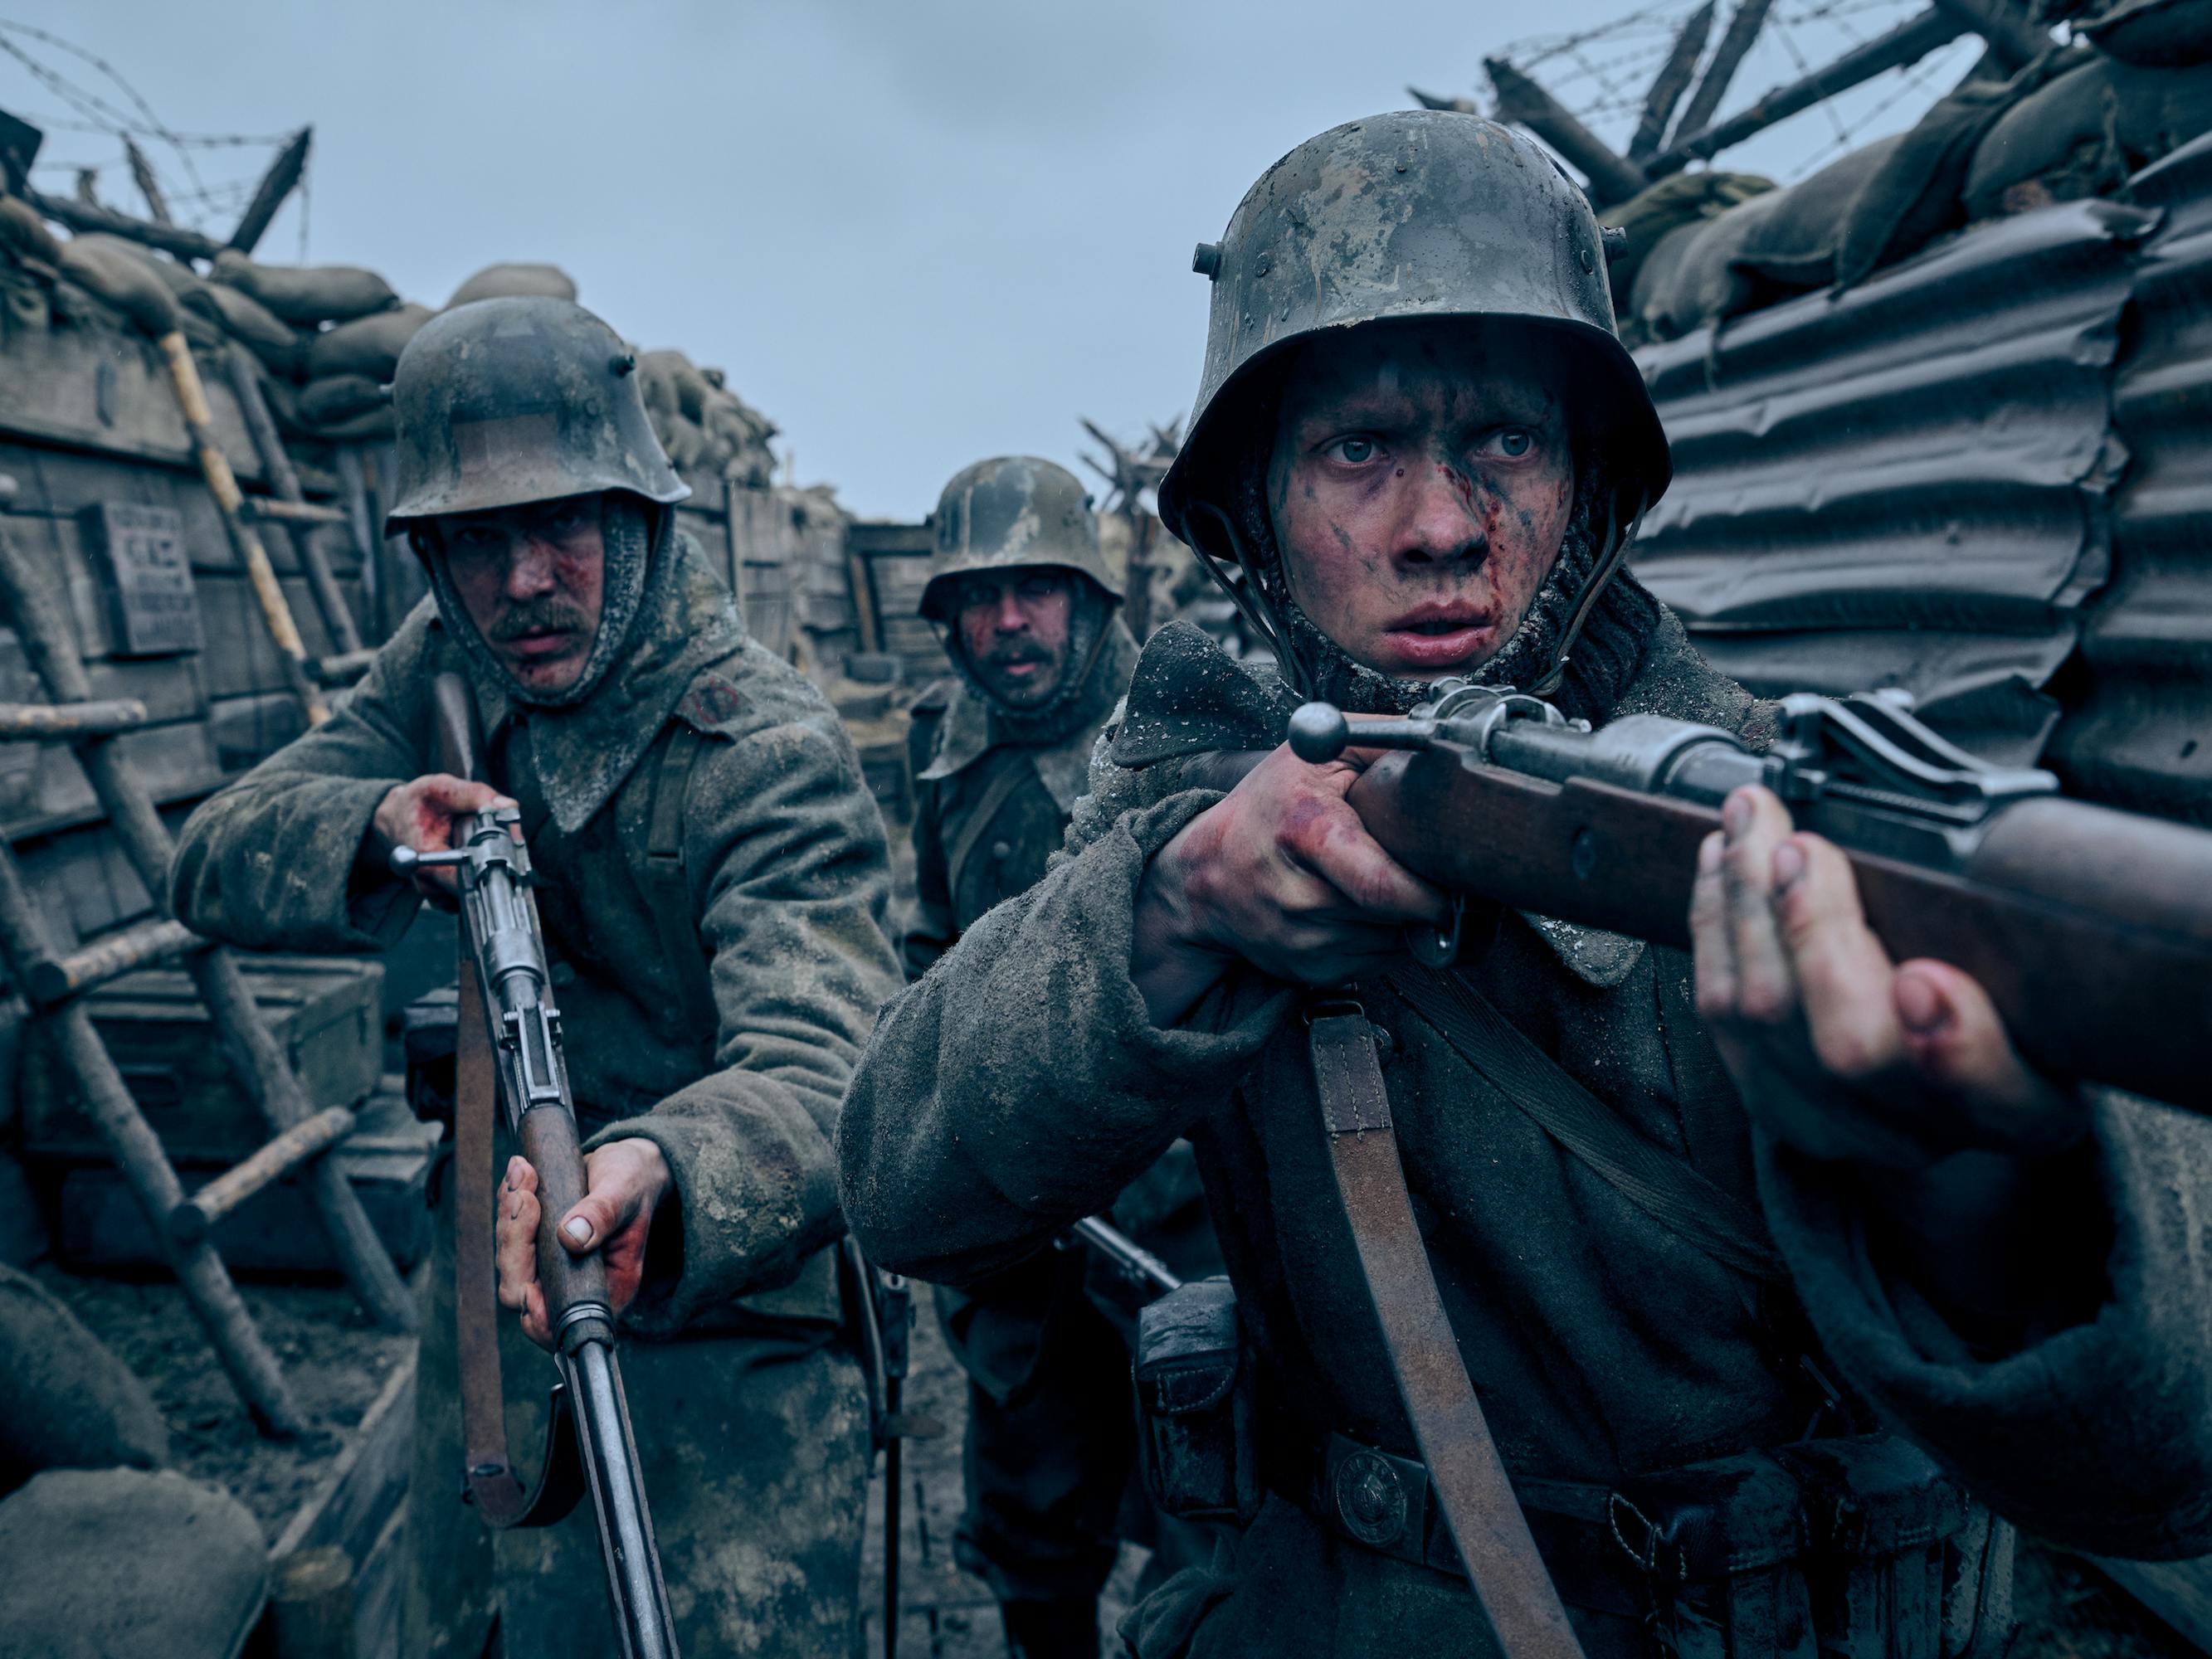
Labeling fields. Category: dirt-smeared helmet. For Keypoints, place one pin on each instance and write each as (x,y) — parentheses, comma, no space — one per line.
(1010,512)
(1423,214)
(507,401)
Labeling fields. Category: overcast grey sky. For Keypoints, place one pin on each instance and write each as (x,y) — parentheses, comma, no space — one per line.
(914,234)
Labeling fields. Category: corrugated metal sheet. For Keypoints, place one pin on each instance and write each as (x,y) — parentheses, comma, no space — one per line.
(1910,483)
(2138,726)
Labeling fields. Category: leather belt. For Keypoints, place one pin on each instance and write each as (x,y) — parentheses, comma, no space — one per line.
(1383,1502)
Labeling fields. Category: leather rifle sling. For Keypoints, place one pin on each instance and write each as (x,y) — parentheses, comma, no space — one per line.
(490,1483)
(1003,782)
(1469,1481)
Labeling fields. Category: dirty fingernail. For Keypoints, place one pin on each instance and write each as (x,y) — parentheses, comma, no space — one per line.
(1920,1005)
(1709,852)
(1735,816)
(577,1229)
(1789,865)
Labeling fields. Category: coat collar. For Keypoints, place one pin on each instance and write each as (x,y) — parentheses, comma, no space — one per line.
(582,754)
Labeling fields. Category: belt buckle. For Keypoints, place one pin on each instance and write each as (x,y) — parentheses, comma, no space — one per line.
(1380,1500)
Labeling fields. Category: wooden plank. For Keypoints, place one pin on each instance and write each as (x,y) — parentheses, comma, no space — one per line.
(356,1497)
(2178,1592)
(106,391)
(170,759)
(378,1587)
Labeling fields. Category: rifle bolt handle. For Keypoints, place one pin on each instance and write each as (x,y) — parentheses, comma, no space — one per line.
(1319,733)
(405,860)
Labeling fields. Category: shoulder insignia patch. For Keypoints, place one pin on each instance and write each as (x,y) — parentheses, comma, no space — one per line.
(712,702)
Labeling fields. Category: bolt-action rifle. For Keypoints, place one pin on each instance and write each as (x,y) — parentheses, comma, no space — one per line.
(2090,929)
(510,1047)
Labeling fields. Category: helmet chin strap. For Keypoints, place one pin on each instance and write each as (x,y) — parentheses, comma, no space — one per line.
(1250,595)
(1613,553)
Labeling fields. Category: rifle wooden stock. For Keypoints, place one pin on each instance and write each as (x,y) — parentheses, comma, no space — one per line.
(2091,929)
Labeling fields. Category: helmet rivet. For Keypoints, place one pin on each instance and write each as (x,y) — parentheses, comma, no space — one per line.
(1588,259)
(1615,239)
(1206,259)
(623,362)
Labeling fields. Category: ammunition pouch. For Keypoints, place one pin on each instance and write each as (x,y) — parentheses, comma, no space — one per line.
(1196,1421)
(1858,1547)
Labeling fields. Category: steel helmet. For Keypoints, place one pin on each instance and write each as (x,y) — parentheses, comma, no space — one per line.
(1011,512)
(1421,214)
(520,400)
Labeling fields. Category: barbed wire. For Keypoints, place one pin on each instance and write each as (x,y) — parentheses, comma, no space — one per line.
(1603,75)
(95,114)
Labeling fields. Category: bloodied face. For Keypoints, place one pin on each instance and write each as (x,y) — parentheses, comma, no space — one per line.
(1421,484)
(1013,625)
(531,577)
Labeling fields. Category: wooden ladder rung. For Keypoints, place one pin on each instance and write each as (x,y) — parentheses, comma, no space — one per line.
(60,978)
(344,668)
(270,506)
(193,1219)
(71,719)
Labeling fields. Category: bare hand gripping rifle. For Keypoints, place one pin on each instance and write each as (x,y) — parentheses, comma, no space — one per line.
(2090,929)
(510,1046)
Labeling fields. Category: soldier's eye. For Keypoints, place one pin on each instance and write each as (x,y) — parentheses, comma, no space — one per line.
(1515,441)
(1352,452)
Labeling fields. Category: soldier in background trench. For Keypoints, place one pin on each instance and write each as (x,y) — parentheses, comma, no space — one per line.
(1000,753)
(713,880)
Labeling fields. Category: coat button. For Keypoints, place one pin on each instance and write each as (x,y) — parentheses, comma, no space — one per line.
(1000,849)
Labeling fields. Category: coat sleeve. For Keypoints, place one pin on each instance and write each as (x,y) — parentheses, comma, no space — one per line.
(2095,1432)
(1021,1085)
(273,861)
(931,932)
(791,891)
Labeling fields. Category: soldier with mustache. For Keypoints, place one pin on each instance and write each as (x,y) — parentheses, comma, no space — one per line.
(1030,617)
(1724,1244)
(713,880)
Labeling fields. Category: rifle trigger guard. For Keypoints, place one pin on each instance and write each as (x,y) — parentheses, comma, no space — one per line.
(1438,947)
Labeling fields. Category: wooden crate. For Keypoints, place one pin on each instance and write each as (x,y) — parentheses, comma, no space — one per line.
(326,1012)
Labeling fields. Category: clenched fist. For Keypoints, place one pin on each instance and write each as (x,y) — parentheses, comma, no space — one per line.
(624,1183)
(420,814)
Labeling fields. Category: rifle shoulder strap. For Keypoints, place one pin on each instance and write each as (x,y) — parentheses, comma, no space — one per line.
(667,883)
(1663,1186)
(489,1478)
(1465,1472)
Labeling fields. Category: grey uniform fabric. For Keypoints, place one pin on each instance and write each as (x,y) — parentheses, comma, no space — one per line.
(1049,1454)
(787,869)
(1021,1082)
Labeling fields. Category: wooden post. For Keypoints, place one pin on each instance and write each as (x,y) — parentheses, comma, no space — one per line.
(258,1064)
(1136,589)
(90,216)
(311,1605)
(277,465)
(1908,43)
(1670,83)
(2011,39)
(142,174)
(1611,179)
(137,1152)
(275,185)
(222,484)
(1736,42)
(71,719)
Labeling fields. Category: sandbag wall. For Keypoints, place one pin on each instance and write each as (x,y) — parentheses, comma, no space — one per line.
(1980,475)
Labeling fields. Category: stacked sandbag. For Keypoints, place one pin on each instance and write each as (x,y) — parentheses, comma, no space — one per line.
(65,1400)
(30,264)
(515,281)
(707,430)
(1645,218)
(2082,133)
(2153,33)
(307,296)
